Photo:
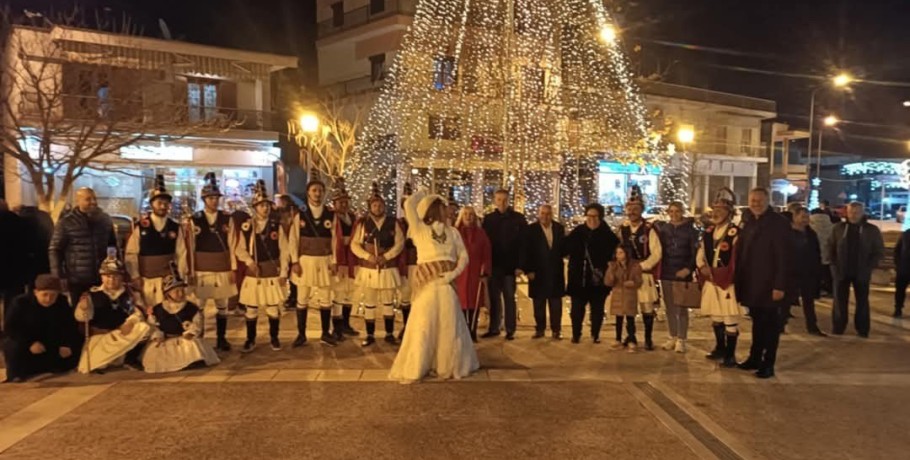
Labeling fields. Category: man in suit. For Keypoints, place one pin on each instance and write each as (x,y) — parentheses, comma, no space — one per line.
(543,264)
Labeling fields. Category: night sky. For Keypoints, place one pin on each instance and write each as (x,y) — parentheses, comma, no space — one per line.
(774,49)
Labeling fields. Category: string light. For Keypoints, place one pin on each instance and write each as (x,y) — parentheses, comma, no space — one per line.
(483,91)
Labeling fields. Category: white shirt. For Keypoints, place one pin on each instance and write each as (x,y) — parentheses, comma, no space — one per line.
(548,233)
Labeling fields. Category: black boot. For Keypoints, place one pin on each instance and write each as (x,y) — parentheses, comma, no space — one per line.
(649,330)
(301,328)
(221,342)
(250,343)
(390,330)
(371,331)
(325,317)
(720,342)
(273,334)
(405,313)
(346,316)
(898,313)
(338,328)
(730,351)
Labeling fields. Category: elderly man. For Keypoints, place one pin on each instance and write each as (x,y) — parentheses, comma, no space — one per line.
(79,244)
(855,249)
(763,260)
(505,228)
(542,260)
(42,335)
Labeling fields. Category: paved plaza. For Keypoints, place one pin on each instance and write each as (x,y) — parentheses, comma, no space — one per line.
(839,397)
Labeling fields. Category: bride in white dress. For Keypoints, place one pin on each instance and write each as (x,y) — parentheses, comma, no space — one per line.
(437,340)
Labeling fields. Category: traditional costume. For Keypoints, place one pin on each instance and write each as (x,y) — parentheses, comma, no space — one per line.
(716,260)
(105,312)
(211,261)
(177,325)
(262,245)
(377,242)
(311,248)
(153,244)
(407,266)
(438,339)
(343,287)
(642,244)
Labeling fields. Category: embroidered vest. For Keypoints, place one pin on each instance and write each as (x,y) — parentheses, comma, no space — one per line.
(724,252)
(110,314)
(172,323)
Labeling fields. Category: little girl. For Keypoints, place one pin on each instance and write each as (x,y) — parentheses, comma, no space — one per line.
(624,276)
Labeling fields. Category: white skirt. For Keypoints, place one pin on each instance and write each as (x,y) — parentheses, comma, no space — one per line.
(152,291)
(177,353)
(647,293)
(106,349)
(314,272)
(262,292)
(719,302)
(214,285)
(437,339)
(371,278)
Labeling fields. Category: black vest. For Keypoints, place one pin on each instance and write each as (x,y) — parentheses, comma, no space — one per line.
(725,245)
(636,243)
(311,227)
(110,314)
(346,229)
(211,238)
(155,243)
(267,247)
(172,323)
(385,235)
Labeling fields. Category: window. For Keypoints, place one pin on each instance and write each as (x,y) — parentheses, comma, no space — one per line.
(745,144)
(720,140)
(377,6)
(377,70)
(338,14)
(444,73)
(441,127)
(104,99)
(202,100)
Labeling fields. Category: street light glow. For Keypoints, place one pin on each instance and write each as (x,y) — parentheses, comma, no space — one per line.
(842,80)
(906,103)
(831,120)
(608,34)
(309,123)
(686,135)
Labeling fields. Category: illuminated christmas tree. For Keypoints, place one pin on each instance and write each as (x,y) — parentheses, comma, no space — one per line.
(505,93)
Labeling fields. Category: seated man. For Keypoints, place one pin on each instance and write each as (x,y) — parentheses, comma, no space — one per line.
(117,327)
(176,327)
(41,333)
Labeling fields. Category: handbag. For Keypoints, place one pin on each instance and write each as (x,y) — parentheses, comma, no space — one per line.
(595,276)
(686,294)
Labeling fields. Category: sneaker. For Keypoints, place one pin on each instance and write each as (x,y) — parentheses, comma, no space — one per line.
(670,344)
(617,345)
(248,346)
(631,347)
(680,346)
(276,345)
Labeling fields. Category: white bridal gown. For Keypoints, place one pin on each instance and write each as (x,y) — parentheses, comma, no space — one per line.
(437,340)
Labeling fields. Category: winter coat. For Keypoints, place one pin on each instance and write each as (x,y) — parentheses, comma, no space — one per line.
(763,258)
(544,261)
(623,299)
(806,260)
(679,245)
(902,254)
(55,326)
(79,244)
(601,244)
(13,252)
(479,264)
(505,231)
(870,251)
(822,225)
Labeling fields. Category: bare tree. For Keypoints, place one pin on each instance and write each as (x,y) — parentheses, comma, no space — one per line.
(68,106)
(329,150)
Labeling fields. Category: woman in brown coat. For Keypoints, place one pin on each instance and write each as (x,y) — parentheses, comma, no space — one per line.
(624,276)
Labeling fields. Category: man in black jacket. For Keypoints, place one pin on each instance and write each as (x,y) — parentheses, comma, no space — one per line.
(902,264)
(14,235)
(505,228)
(80,243)
(542,261)
(855,249)
(762,273)
(42,333)
(806,267)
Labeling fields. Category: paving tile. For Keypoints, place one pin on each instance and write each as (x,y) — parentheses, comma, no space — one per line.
(214,376)
(375,375)
(509,375)
(296,375)
(339,375)
(253,376)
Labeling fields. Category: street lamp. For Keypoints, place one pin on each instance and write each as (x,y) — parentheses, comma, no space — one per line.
(831,120)
(608,34)
(309,123)
(685,134)
(842,81)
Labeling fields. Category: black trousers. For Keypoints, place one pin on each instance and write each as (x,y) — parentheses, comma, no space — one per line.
(21,363)
(540,313)
(825,282)
(596,298)
(861,319)
(502,295)
(807,298)
(767,322)
(900,290)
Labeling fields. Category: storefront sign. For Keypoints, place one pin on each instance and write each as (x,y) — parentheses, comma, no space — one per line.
(157,153)
(631,168)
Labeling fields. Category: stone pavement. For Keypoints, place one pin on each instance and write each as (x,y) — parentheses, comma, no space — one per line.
(841,397)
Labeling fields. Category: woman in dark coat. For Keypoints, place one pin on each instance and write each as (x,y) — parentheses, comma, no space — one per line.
(589,247)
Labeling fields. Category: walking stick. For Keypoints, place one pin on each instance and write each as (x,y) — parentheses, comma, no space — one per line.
(476,319)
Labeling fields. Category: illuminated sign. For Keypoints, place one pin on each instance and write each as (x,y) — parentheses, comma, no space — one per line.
(631,168)
(157,153)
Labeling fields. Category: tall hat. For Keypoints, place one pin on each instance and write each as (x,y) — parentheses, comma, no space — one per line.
(725,197)
(260,193)
(112,265)
(635,197)
(211,186)
(375,195)
(158,191)
(174,280)
(339,193)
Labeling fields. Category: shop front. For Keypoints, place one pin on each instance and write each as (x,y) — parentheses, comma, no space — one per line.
(615,180)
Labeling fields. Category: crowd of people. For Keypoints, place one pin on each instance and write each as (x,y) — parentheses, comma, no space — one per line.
(96,306)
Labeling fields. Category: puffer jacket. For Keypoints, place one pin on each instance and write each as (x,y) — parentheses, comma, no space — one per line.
(79,245)
(679,244)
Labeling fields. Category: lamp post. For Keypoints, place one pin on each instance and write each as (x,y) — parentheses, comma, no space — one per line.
(309,127)
(842,81)
(686,136)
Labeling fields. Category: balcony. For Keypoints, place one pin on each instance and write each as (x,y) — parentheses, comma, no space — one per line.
(365,15)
